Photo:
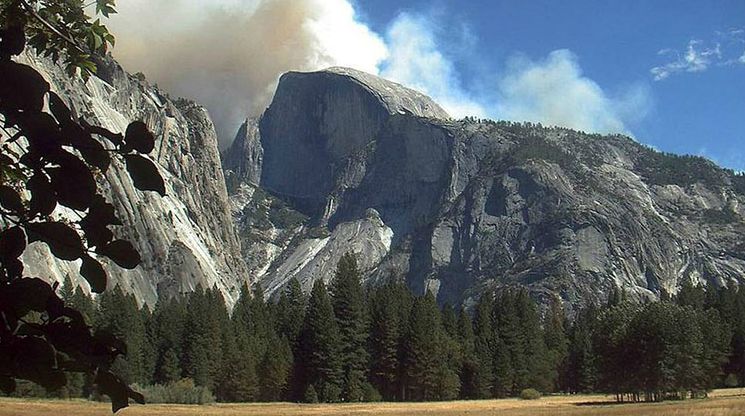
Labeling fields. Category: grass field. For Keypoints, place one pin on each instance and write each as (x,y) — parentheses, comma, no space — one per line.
(729,402)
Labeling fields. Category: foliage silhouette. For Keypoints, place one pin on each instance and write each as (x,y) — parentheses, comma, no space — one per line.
(52,159)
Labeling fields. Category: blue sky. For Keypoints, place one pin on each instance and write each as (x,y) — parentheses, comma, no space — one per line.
(669,73)
(699,106)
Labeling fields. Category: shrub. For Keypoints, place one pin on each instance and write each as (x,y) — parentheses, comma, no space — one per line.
(370,393)
(179,392)
(310,395)
(731,381)
(530,394)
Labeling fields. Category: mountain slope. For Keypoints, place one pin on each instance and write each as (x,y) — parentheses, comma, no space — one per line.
(475,204)
(186,238)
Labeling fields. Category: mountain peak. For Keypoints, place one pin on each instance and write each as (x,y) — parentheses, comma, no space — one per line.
(395,97)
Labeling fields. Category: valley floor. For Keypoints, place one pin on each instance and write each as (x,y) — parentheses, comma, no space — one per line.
(726,402)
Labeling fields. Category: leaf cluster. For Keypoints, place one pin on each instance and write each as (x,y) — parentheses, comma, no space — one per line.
(60,30)
(52,159)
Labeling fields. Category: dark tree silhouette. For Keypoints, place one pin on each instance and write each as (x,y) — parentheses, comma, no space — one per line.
(51,159)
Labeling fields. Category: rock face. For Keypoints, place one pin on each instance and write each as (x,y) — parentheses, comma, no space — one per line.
(343,161)
(186,238)
(458,207)
(313,147)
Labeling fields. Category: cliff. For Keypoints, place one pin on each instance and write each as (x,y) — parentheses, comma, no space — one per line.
(186,238)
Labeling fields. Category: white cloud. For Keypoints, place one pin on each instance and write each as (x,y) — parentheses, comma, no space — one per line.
(416,61)
(696,58)
(700,56)
(228,55)
(554,91)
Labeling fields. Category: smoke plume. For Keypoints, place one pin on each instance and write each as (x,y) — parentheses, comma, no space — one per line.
(228,54)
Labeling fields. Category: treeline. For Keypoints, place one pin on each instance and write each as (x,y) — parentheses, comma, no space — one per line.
(345,343)
(673,349)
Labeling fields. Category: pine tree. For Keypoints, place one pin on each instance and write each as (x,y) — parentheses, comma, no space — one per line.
(149,347)
(449,320)
(716,347)
(290,316)
(451,359)
(275,370)
(238,381)
(385,340)
(511,368)
(690,295)
(84,304)
(422,360)
(321,346)
(119,315)
(469,369)
(351,316)
(67,289)
(169,367)
(246,342)
(167,327)
(291,311)
(579,375)
(539,363)
(556,341)
(202,354)
(485,347)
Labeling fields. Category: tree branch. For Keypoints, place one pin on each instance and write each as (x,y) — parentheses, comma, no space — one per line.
(49,26)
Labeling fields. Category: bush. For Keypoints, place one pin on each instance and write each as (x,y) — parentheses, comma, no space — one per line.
(731,381)
(370,393)
(179,392)
(310,395)
(530,394)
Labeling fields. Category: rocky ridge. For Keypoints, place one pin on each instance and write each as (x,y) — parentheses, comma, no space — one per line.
(345,161)
(474,204)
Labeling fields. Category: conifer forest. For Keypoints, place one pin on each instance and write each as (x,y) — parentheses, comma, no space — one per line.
(348,343)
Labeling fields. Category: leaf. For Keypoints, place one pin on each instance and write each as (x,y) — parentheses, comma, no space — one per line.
(63,241)
(122,253)
(96,233)
(111,341)
(94,273)
(103,211)
(145,174)
(59,108)
(115,138)
(11,200)
(14,268)
(137,397)
(7,385)
(73,184)
(12,243)
(22,88)
(43,200)
(14,39)
(94,153)
(29,294)
(38,360)
(139,138)
(43,132)
(113,387)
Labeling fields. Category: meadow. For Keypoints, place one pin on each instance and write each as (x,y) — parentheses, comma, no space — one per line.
(725,402)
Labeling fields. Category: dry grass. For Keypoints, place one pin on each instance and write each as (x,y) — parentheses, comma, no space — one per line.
(728,402)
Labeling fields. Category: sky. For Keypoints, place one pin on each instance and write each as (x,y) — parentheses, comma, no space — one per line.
(671,74)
